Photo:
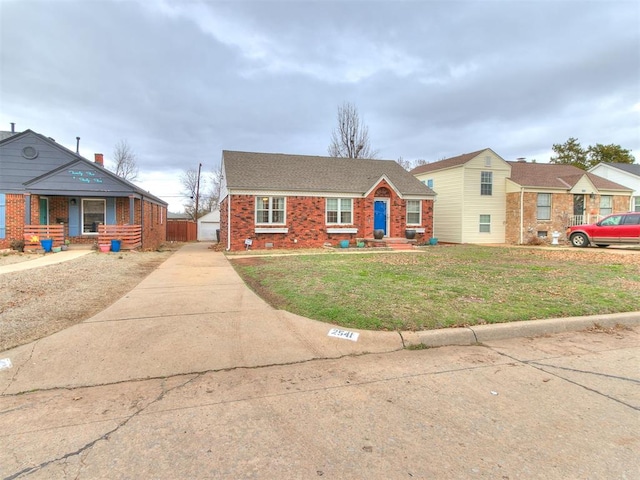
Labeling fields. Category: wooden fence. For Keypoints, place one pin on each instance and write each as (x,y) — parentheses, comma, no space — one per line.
(129,235)
(182,231)
(34,233)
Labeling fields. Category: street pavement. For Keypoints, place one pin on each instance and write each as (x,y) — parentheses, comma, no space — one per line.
(191,375)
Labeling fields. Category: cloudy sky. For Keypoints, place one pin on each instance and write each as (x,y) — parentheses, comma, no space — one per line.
(183,80)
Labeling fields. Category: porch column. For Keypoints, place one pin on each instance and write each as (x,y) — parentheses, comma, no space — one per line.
(27,209)
(132,216)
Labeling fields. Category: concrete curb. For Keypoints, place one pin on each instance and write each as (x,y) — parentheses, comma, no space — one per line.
(529,328)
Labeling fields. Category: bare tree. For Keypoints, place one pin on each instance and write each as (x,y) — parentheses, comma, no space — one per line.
(351,137)
(125,161)
(189,180)
(406,164)
(211,200)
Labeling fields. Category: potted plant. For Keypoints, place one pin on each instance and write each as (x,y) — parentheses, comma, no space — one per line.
(65,246)
(378,234)
(410,233)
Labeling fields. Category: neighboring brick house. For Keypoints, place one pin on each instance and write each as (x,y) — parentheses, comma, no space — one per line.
(485,199)
(543,198)
(298,201)
(471,202)
(47,188)
(627,174)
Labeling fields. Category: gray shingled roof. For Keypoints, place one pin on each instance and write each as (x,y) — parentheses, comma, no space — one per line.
(551,175)
(633,168)
(4,134)
(303,173)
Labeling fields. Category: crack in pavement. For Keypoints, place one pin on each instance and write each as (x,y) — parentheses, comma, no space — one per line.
(85,448)
(202,372)
(541,367)
(33,349)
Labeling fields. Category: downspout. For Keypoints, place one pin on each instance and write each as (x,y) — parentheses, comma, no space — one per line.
(228,221)
(142,246)
(521,215)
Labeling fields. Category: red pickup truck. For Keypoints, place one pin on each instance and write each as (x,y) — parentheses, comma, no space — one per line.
(615,229)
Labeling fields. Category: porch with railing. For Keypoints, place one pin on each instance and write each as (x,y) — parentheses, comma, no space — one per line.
(34,233)
(583,219)
(129,235)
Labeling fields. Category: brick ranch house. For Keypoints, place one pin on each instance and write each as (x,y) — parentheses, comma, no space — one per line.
(543,198)
(297,201)
(46,190)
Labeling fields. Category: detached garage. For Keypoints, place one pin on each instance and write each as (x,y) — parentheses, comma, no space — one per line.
(207,226)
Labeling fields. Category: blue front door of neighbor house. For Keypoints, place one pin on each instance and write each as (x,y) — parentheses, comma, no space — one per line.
(380,215)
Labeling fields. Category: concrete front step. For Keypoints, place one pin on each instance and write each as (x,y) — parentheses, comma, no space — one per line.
(400,246)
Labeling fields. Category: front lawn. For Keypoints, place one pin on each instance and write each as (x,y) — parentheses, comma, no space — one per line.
(445,286)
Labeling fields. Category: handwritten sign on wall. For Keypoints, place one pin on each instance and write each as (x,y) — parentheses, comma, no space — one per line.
(85,176)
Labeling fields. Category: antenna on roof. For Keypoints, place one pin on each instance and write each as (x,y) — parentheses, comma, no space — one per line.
(78,145)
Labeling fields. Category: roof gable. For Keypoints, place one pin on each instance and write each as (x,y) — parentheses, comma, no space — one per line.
(557,176)
(80,175)
(304,173)
(451,162)
(631,168)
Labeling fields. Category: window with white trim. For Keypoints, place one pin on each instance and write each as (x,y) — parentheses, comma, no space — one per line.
(94,212)
(339,211)
(485,223)
(270,210)
(486,183)
(606,204)
(544,206)
(414,208)
(636,207)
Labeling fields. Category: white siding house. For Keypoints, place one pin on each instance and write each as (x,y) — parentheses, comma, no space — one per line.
(471,196)
(624,174)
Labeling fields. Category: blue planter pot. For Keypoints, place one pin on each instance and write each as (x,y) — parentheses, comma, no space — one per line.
(115,245)
(46,244)
(344,243)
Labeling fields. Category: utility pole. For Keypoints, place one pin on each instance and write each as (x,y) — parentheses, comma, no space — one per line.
(195,215)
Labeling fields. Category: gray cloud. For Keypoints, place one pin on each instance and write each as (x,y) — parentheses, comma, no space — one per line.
(183,80)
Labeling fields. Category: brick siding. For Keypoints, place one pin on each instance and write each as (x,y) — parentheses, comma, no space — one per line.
(154,227)
(305,221)
(561,212)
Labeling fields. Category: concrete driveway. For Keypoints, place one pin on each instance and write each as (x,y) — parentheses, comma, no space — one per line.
(191,375)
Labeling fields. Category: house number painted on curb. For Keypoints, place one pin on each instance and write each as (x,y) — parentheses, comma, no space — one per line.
(335,332)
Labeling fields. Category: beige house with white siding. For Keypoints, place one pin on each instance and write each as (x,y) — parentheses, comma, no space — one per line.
(471,197)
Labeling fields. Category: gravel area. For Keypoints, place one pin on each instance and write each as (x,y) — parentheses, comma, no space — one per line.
(40,301)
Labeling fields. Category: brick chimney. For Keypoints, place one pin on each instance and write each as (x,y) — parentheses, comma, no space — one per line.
(99,159)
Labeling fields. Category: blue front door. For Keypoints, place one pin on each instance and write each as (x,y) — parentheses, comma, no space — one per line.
(380,216)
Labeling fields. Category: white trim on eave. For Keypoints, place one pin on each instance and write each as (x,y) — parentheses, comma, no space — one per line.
(376,184)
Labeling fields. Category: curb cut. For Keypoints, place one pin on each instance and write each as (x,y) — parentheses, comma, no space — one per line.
(529,328)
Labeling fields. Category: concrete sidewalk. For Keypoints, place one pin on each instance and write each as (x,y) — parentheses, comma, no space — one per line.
(44,260)
(194,314)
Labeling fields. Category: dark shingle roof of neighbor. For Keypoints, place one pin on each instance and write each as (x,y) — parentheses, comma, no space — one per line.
(633,168)
(553,175)
(304,173)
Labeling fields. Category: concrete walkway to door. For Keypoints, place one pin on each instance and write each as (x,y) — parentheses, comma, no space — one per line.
(192,314)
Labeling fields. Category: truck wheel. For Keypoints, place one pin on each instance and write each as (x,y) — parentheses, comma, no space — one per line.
(579,240)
